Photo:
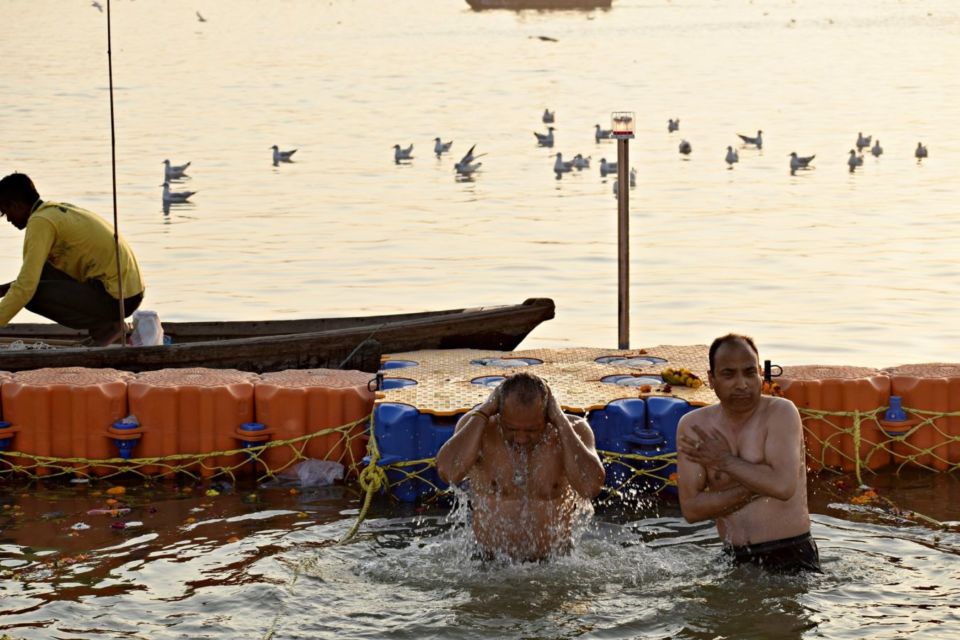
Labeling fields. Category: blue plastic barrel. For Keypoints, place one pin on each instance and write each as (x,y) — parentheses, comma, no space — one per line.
(5,442)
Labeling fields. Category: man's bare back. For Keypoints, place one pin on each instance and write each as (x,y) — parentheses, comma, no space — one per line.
(532,470)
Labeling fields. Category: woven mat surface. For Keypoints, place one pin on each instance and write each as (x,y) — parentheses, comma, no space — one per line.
(445,378)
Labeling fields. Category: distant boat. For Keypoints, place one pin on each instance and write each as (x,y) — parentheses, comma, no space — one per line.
(539,5)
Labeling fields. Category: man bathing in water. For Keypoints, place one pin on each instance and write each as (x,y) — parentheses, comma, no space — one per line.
(741,463)
(532,469)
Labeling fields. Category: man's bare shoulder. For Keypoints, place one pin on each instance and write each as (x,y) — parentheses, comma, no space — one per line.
(703,415)
(780,407)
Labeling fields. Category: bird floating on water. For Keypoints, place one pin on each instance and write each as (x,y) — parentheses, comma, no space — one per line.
(673,125)
(862,141)
(633,176)
(96,5)
(548,116)
(921,152)
(732,157)
(545,139)
(757,140)
(877,150)
(175,196)
(854,161)
(173,171)
(799,162)
(440,147)
(282,156)
(200,17)
(467,166)
(607,167)
(602,134)
(400,154)
(685,147)
(561,166)
(579,162)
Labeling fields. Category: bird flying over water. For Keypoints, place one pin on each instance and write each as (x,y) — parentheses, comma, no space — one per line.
(685,147)
(545,139)
(757,140)
(400,154)
(440,147)
(172,171)
(175,196)
(601,134)
(921,152)
(282,156)
(732,157)
(548,116)
(673,125)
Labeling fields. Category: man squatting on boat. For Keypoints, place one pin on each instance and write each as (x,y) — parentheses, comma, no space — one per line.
(532,470)
(69,269)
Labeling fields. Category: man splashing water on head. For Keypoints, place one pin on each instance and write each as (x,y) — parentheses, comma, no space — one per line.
(532,469)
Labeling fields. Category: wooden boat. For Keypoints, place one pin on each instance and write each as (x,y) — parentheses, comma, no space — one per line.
(275,345)
(540,5)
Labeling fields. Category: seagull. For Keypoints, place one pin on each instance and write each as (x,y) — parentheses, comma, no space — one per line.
(440,148)
(200,17)
(549,116)
(758,141)
(468,157)
(579,162)
(400,153)
(732,157)
(854,161)
(174,172)
(799,162)
(560,166)
(282,156)
(673,125)
(685,147)
(633,176)
(175,196)
(545,139)
(601,134)
(607,167)
(877,150)
(616,189)
(467,168)
(921,152)
(862,141)
(98,6)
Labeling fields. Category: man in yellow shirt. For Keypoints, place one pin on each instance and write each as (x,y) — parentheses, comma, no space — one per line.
(69,270)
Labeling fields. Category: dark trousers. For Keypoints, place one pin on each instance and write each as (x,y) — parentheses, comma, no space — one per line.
(78,305)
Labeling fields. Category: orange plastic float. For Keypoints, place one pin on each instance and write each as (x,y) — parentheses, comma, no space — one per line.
(300,402)
(65,413)
(191,411)
(928,387)
(829,440)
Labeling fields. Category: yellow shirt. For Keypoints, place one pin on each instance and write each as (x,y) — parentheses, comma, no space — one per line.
(77,242)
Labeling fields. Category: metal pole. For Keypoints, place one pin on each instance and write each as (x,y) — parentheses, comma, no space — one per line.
(623,238)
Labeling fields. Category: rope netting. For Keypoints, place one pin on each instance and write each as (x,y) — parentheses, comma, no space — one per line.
(264,460)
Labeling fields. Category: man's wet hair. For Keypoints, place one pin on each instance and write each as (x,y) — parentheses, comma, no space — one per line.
(18,187)
(525,387)
(731,337)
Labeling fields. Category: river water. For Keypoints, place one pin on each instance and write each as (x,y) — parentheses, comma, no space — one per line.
(822,267)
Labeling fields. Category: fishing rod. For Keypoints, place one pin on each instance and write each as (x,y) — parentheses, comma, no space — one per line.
(113,170)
